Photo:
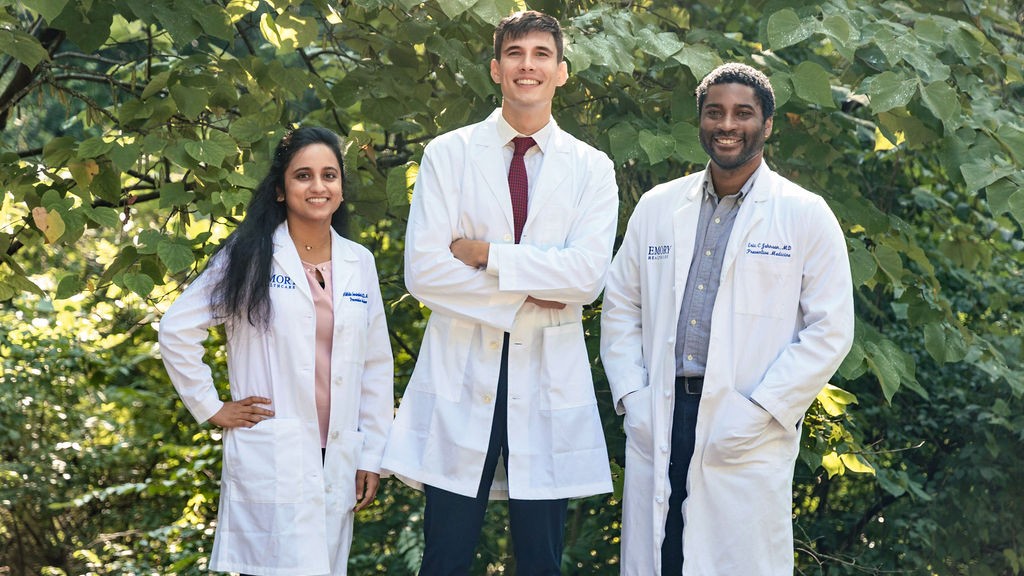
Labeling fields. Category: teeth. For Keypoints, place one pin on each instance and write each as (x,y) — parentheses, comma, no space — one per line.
(527,82)
(317,200)
(728,141)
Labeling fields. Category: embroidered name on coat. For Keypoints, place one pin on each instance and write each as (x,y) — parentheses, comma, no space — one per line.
(659,252)
(282,281)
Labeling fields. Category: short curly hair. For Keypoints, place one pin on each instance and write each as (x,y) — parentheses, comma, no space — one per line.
(736,73)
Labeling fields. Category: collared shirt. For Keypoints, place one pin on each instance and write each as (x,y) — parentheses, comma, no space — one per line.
(714,226)
(533,159)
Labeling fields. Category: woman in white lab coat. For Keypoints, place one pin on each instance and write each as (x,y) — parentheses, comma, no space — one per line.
(309,368)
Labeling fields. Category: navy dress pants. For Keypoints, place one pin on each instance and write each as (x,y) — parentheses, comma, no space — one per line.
(684,427)
(452,522)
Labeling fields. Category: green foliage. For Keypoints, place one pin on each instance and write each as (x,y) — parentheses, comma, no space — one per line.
(134,132)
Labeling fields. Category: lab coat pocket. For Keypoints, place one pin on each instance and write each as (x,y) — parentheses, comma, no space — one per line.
(340,465)
(637,423)
(350,321)
(743,433)
(566,368)
(264,463)
(444,358)
(766,286)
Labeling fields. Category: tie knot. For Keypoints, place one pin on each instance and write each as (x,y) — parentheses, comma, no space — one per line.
(522,145)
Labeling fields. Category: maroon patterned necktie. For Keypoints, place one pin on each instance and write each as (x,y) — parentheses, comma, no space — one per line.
(518,184)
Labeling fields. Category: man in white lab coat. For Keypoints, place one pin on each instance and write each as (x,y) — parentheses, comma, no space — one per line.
(728,307)
(506,247)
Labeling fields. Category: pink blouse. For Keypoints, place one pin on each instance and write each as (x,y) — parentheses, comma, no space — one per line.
(324,310)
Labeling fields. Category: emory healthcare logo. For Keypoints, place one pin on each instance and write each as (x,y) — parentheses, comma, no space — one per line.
(659,252)
(282,281)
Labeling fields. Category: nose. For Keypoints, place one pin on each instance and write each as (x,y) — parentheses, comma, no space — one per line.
(527,63)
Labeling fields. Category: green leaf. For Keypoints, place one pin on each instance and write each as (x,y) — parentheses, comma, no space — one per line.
(124,156)
(174,194)
(140,284)
(984,171)
(156,84)
(209,151)
(785,28)
(452,8)
(1012,137)
(401,180)
(94,147)
(811,83)
(104,216)
(175,254)
(661,45)
(124,259)
(622,138)
(191,101)
(251,128)
(50,9)
(862,263)
(70,285)
(23,47)
(688,146)
(890,262)
(658,146)
(889,90)
(700,59)
(941,99)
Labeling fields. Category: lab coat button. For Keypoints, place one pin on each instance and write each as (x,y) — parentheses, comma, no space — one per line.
(507,238)
(334,435)
(337,381)
(668,393)
(327,488)
(664,447)
(494,345)
(487,398)
(659,499)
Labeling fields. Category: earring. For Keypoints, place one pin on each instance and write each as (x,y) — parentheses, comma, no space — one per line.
(280,198)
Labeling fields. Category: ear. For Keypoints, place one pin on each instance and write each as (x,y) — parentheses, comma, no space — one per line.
(563,73)
(280,195)
(495,71)
(768,127)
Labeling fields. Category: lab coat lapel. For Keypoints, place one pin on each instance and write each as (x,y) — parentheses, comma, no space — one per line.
(684,229)
(552,173)
(342,268)
(751,212)
(287,258)
(490,165)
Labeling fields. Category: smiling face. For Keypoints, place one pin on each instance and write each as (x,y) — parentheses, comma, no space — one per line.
(528,71)
(312,185)
(733,129)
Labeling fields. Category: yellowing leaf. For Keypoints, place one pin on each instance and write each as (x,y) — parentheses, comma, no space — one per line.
(882,143)
(832,464)
(856,464)
(49,223)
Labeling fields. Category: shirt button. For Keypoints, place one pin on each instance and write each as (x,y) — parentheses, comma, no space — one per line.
(689,356)
(693,322)
(718,220)
(487,398)
(707,252)
(700,286)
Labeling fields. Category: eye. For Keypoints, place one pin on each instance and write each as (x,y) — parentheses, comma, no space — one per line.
(330,176)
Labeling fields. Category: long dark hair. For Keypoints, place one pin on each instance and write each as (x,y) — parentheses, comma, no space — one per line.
(243,288)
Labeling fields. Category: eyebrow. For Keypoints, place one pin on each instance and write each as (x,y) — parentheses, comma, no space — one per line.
(511,47)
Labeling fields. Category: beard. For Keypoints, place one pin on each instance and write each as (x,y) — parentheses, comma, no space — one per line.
(753,144)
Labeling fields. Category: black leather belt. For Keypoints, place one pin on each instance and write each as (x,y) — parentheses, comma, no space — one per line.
(690,385)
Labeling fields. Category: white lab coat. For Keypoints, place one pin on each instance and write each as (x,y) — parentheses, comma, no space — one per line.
(440,436)
(282,512)
(782,323)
